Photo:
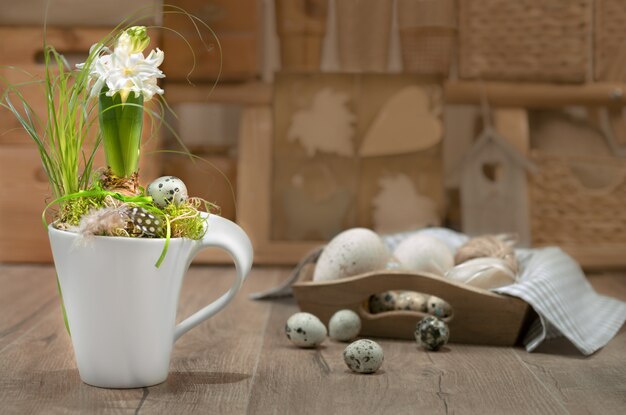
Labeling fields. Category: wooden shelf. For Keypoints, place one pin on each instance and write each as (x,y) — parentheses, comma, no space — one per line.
(247,93)
(535,95)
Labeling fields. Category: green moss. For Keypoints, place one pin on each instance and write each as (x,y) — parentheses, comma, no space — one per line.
(74,209)
(185,220)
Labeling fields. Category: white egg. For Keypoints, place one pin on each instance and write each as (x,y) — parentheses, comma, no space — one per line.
(424,253)
(305,330)
(484,273)
(352,252)
(344,325)
(363,356)
(166,190)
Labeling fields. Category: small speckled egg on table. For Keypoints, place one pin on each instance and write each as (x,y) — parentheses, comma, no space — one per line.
(166,190)
(432,333)
(344,325)
(305,330)
(363,356)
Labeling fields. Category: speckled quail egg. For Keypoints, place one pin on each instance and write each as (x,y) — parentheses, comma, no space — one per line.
(344,325)
(411,301)
(381,302)
(305,330)
(438,307)
(363,356)
(352,252)
(424,253)
(166,190)
(432,333)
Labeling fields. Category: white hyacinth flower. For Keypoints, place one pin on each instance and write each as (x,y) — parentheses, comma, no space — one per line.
(126,70)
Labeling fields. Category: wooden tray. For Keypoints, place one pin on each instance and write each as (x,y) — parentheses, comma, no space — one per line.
(479,316)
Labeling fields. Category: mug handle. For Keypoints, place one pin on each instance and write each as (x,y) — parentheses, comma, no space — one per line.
(227,235)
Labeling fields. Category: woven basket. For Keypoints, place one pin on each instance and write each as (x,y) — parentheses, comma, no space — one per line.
(427,50)
(578,202)
(363,30)
(525,40)
(610,40)
(301,26)
(427,35)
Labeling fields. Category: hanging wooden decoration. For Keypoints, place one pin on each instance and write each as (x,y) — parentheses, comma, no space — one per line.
(314,203)
(328,125)
(493,188)
(414,211)
(316,181)
(613,125)
(323,218)
(405,124)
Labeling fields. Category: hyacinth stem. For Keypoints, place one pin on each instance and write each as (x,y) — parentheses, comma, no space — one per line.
(121,124)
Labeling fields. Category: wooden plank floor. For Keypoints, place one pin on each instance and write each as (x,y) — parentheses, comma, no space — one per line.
(240,362)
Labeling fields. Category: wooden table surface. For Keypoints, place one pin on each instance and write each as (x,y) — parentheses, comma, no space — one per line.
(241,362)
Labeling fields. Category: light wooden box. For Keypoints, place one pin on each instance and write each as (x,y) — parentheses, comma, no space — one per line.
(479,316)
(235,22)
(210,178)
(23,237)
(68,13)
(22,62)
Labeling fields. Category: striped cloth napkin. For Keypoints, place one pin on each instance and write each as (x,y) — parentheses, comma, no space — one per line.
(555,286)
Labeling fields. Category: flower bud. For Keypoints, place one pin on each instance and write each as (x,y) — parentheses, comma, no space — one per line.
(134,39)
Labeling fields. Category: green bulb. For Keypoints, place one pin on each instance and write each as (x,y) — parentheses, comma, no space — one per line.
(135,39)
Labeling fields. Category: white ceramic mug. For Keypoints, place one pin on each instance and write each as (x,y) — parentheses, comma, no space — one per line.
(121,309)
